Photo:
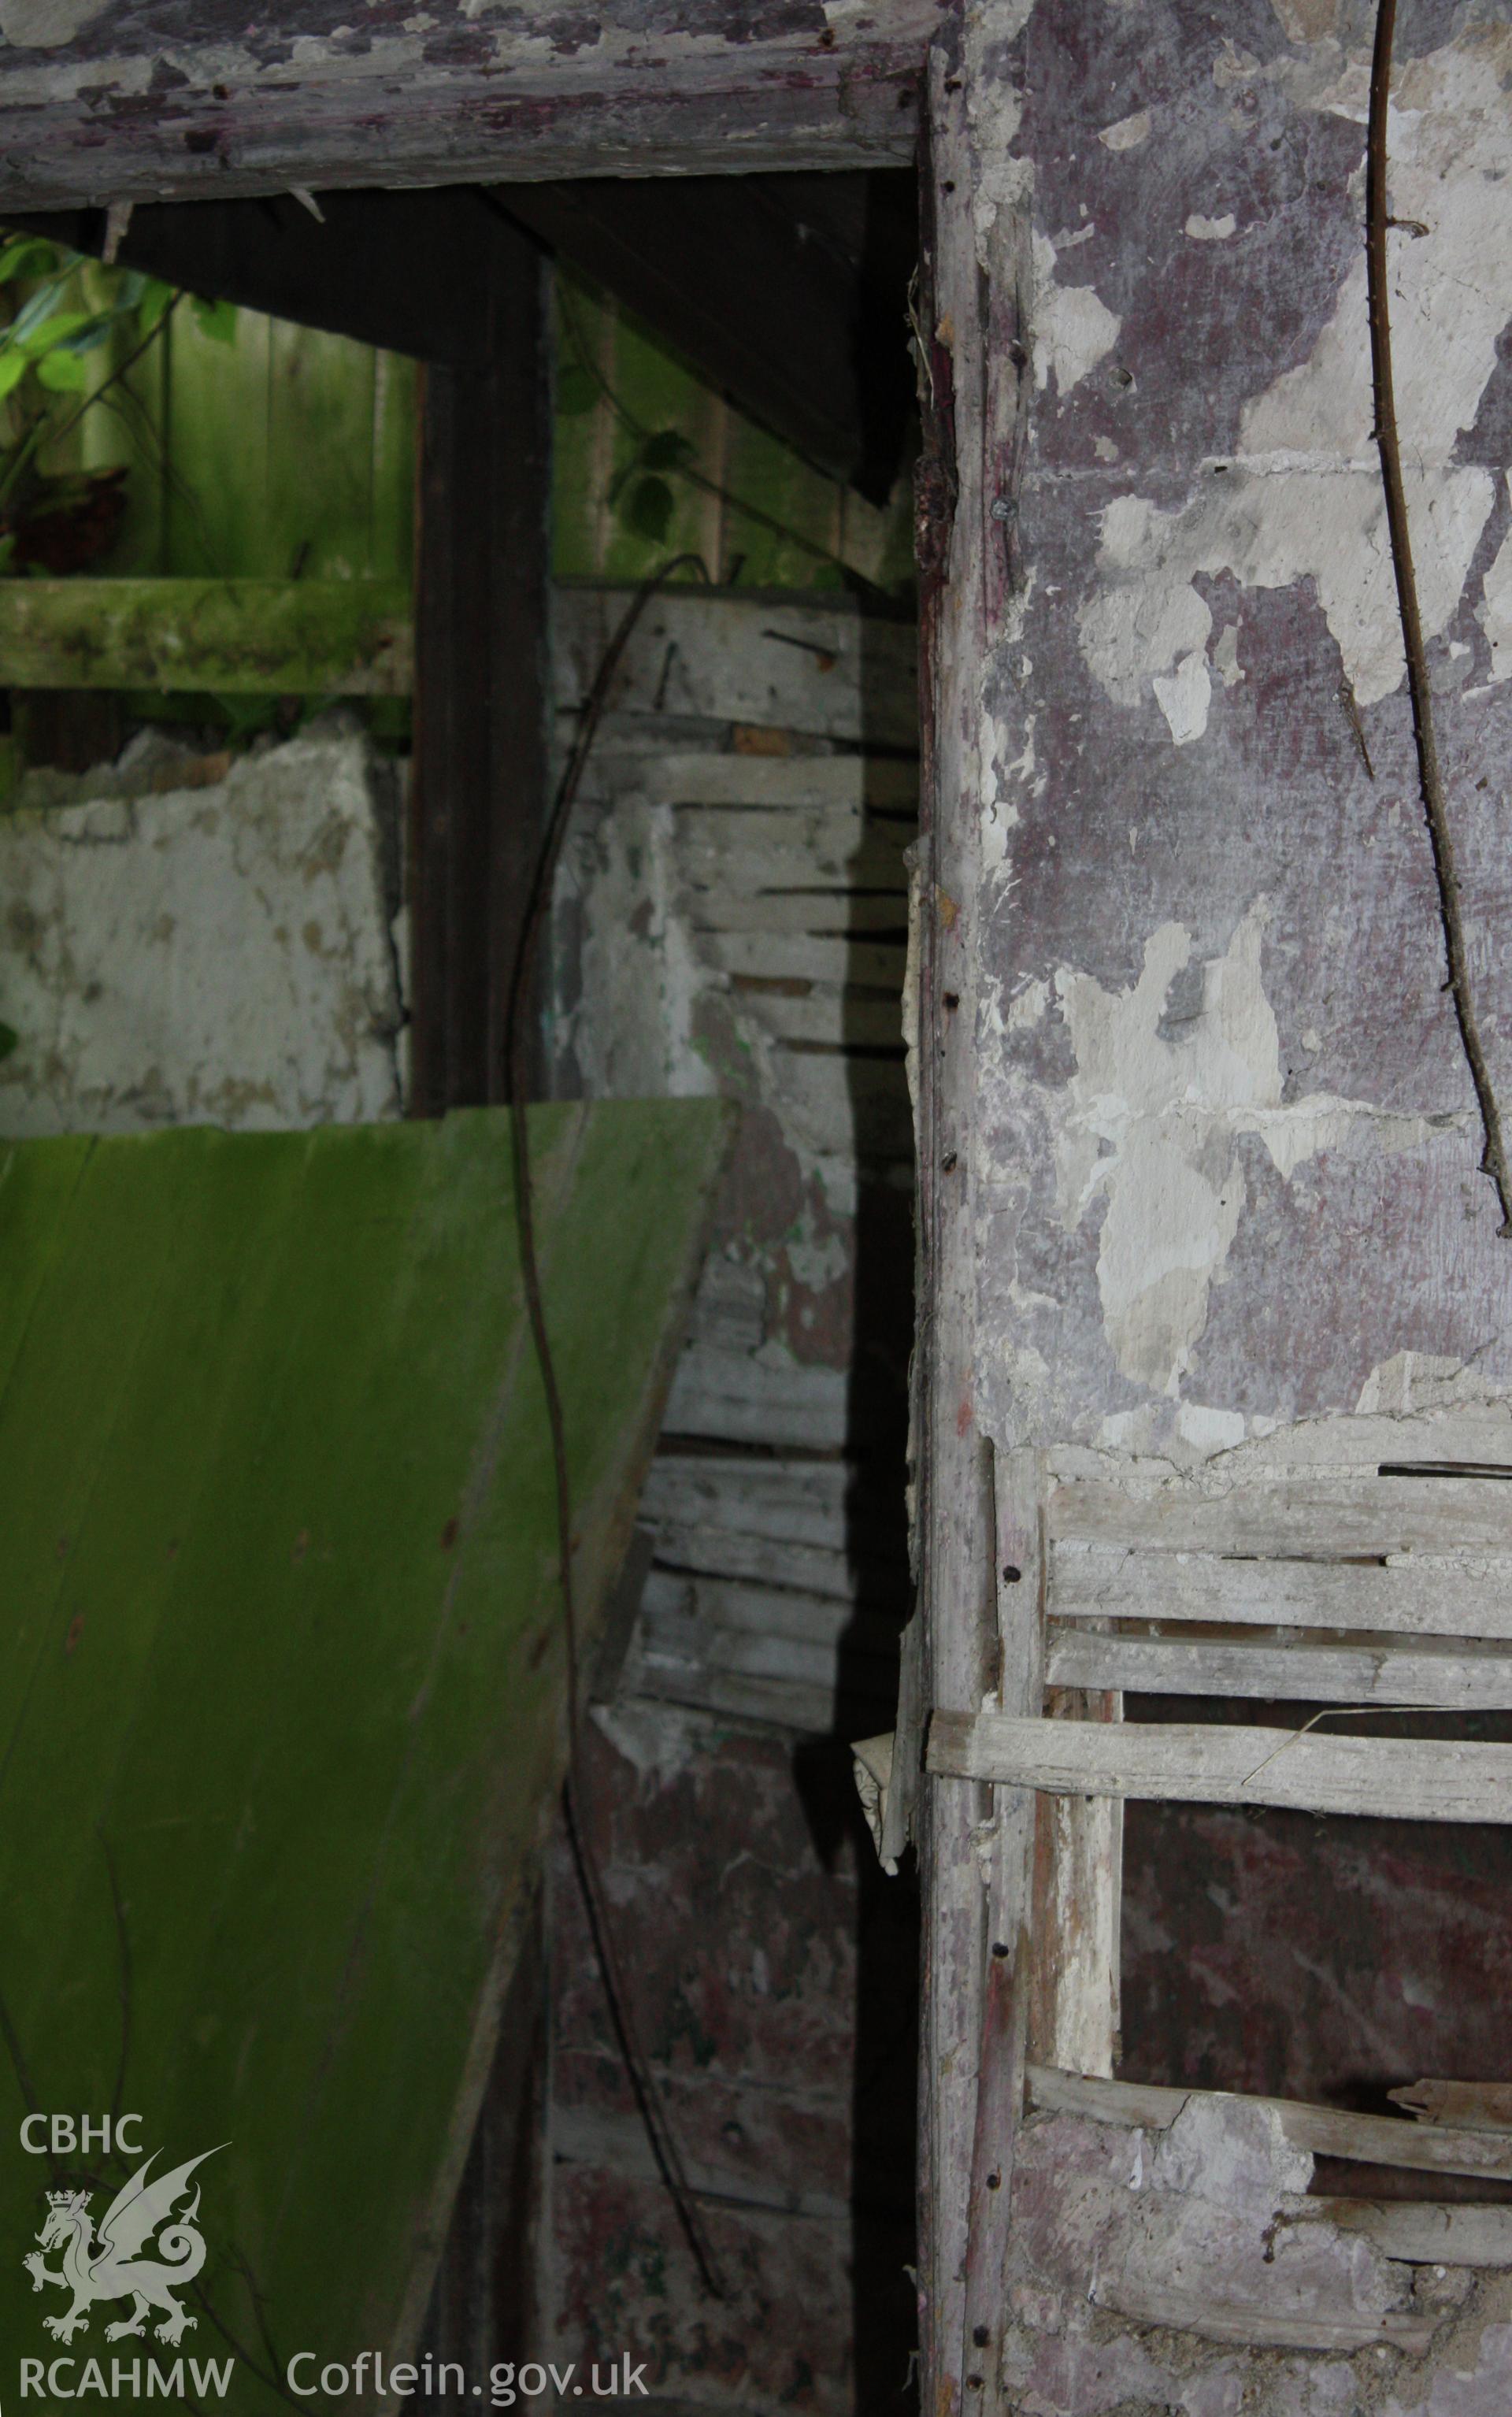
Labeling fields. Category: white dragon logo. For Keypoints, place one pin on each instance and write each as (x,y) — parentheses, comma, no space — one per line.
(109,2268)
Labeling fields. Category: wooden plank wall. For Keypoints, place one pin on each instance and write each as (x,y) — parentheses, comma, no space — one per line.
(289,452)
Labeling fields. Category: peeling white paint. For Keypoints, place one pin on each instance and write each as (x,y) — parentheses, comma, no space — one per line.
(1183,697)
(1211,230)
(1073,330)
(1225,656)
(208,955)
(1128,133)
(1153,1121)
(1302,498)
(1494,611)
(1028,1007)
(1210,1429)
(47,24)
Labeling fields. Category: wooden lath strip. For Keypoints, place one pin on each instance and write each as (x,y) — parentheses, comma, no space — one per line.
(1330,1518)
(1416,1779)
(1321,2131)
(1423,1594)
(1457,1673)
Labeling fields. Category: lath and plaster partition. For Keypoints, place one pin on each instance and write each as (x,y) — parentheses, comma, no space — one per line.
(732,918)
(1198,1147)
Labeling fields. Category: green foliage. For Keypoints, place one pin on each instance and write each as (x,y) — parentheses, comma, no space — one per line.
(72,330)
(577,392)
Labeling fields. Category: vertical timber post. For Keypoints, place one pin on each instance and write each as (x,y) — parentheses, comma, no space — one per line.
(482,703)
(977,1842)
(480,804)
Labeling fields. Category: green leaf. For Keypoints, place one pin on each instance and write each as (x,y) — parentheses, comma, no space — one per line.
(10,1040)
(667,450)
(53,331)
(25,254)
(31,313)
(577,390)
(153,302)
(13,367)
(648,513)
(7,547)
(92,334)
(217,320)
(62,373)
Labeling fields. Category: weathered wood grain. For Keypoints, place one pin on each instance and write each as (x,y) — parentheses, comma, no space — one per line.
(466,102)
(826,670)
(1422,1594)
(1460,1675)
(1290,1516)
(1419,1779)
(1469,2105)
(1425,2233)
(1249,2325)
(1321,2131)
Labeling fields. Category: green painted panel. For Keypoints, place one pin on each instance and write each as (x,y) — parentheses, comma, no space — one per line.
(280,1660)
(241,637)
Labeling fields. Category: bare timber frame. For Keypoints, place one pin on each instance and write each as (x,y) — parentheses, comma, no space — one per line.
(1205,1252)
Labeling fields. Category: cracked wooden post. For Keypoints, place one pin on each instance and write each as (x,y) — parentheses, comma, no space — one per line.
(975,1841)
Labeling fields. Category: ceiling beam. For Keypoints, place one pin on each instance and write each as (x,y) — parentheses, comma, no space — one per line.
(786,292)
(128,110)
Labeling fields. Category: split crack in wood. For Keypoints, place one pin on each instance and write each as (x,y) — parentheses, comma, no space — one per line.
(1377,219)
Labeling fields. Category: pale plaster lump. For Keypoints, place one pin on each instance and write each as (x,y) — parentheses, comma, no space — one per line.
(1129,132)
(1211,230)
(1074,331)
(1302,498)
(1152,1127)
(47,24)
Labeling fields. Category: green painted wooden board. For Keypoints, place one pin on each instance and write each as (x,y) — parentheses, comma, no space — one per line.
(281,1648)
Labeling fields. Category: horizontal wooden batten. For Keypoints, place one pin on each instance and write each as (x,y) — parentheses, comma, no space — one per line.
(1329,1518)
(1320,2130)
(240,637)
(1424,2232)
(1456,1675)
(1423,1594)
(1418,1779)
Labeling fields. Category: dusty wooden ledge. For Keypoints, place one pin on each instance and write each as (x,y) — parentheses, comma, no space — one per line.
(1408,1779)
(1321,2131)
(241,637)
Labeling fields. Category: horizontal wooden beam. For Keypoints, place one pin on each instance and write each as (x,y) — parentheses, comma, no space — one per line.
(1421,1594)
(1424,2232)
(1316,1514)
(413,272)
(238,637)
(1458,1675)
(121,112)
(1320,2130)
(1410,1779)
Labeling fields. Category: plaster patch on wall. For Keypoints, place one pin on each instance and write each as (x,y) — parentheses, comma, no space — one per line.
(211,955)
(1183,697)
(1302,498)
(1128,133)
(1494,611)
(1163,1089)
(1225,656)
(47,24)
(1211,230)
(1074,331)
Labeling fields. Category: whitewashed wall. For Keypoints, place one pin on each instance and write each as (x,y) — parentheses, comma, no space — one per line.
(202,952)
